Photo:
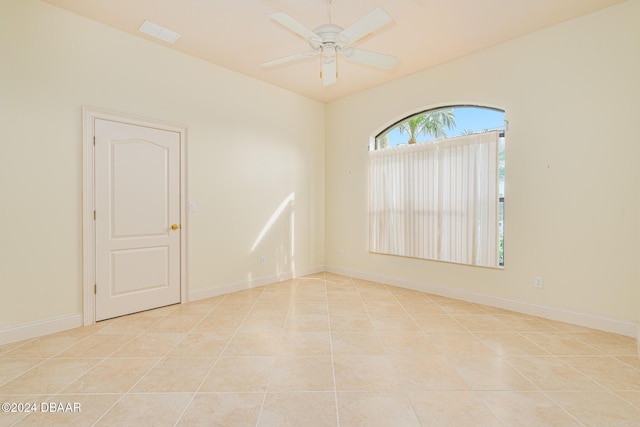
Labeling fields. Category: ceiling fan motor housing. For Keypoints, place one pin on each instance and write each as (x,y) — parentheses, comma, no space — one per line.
(328,41)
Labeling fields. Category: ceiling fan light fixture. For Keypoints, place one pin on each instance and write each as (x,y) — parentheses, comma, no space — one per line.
(329,52)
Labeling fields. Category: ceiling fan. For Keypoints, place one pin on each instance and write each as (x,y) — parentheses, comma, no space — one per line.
(330,40)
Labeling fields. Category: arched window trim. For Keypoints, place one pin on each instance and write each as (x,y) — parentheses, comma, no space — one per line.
(394,124)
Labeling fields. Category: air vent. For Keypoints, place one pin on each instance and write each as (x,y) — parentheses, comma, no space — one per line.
(155,30)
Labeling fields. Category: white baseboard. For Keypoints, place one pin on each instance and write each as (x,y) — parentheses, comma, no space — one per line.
(59,324)
(43,327)
(589,320)
(603,323)
(214,291)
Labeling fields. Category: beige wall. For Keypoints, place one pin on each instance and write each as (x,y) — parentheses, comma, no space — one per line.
(571,95)
(250,145)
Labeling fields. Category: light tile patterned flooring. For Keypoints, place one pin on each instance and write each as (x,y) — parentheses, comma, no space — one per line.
(325,350)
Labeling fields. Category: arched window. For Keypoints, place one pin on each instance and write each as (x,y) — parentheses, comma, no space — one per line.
(436,186)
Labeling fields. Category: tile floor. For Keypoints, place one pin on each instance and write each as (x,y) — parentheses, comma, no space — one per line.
(325,350)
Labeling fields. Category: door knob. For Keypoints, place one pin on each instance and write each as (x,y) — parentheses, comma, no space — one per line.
(175,226)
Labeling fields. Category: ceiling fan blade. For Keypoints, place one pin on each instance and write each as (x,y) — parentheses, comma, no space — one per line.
(293,25)
(289,58)
(329,71)
(368,57)
(365,25)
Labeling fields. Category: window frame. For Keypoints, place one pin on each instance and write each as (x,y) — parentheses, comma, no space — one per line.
(500,172)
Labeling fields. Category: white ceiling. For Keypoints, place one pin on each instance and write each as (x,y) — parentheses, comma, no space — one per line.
(239,35)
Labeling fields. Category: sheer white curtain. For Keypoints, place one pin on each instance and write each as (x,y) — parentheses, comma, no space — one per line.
(436,200)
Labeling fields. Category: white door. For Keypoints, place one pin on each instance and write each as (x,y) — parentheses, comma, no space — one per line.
(137,218)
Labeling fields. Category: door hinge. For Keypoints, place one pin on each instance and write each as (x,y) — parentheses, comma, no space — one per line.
(94,140)
(94,215)
(95,288)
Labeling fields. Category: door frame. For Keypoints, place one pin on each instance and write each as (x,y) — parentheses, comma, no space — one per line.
(89,116)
